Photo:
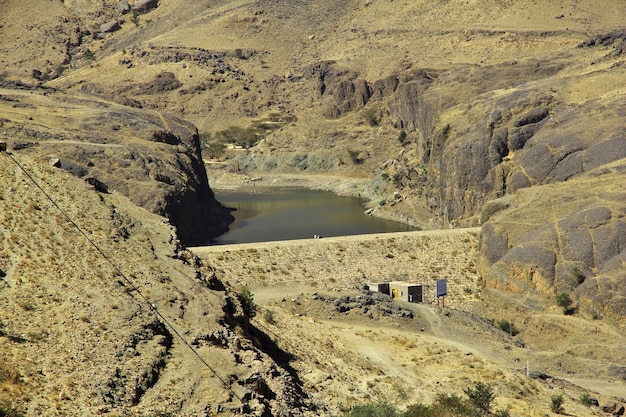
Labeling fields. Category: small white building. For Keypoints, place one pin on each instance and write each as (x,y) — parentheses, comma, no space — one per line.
(381,287)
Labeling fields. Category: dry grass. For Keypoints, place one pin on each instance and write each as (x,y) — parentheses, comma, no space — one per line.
(69,304)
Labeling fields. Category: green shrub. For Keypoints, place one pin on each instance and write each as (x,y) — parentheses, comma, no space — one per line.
(89,55)
(418,410)
(7,409)
(212,148)
(135,18)
(508,327)
(355,156)
(564,300)
(578,275)
(556,404)
(502,413)
(481,397)
(246,298)
(268,316)
(371,116)
(381,409)
(402,137)
(586,400)
(451,405)
(245,137)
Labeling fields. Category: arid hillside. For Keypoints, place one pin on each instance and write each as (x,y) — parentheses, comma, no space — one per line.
(506,117)
(104,313)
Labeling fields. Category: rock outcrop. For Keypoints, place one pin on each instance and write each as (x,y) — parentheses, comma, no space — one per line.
(151,157)
(556,241)
(485,134)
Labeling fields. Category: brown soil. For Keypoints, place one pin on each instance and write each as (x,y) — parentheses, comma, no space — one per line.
(75,341)
(355,356)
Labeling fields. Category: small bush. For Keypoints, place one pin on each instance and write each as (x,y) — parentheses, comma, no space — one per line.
(355,156)
(268,316)
(402,137)
(564,300)
(453,405)
(418,410)
(397,178)
(8,410)
(10,375)
(371,117)
(508,327)
(382,409)
(578,275)
(587,400)
(135,18)
(556,404)
(481,397)
(502,413)
(246,298)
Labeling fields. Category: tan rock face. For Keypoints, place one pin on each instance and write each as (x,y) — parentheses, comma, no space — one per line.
(556,243)
(152,158)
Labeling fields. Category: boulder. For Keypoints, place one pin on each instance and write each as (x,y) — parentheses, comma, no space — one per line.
(144,6)
(164,81)
(109,27)
(123,7)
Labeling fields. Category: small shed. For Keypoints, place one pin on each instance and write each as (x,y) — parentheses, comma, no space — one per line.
(382,287)
(406,291)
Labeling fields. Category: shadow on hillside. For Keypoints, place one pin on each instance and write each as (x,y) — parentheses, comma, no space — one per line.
(281,357)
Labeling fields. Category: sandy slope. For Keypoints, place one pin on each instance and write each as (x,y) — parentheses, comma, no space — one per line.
(353,357)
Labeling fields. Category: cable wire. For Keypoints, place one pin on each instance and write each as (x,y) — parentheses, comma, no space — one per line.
(128,280)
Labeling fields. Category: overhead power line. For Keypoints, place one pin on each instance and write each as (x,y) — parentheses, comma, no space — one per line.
(123,275)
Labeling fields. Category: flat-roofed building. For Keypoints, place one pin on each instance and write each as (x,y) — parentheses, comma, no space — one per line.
(382,287)
(406,291)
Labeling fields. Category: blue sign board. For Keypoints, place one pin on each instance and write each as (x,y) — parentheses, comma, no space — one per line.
(442,287)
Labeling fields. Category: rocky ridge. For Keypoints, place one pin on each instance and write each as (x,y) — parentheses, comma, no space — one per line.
(151,157)
(517,127)
(119,295)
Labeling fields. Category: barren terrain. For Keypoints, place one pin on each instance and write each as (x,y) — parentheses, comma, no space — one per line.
(495,127)
(363,354)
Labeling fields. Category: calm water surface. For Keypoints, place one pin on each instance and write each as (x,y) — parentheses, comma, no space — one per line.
(295,213)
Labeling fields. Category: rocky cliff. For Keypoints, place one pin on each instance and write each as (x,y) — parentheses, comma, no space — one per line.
(550,134)
(480,140)
(149,156)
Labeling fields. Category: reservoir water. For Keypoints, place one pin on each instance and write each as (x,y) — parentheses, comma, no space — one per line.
(296,213)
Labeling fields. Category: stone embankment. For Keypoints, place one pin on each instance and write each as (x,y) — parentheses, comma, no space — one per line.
(348,262)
